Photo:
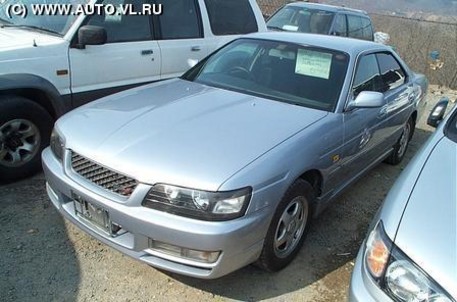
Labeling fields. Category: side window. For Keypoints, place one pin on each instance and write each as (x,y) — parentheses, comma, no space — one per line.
(367,77)
(392,73)
(180,20)
(367,29)
(231,17)
(123,27)
(355,27)
(341,28)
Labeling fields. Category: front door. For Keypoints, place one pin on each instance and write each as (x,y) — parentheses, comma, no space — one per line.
(363,127)
(130,56)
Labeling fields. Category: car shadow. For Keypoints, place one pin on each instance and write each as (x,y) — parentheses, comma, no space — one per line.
(37,260)
(332,244)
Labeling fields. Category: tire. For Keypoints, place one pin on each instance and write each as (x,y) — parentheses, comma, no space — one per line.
(25,129)
(288,227)
(401,145)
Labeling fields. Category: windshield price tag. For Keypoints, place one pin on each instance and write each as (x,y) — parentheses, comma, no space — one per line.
(313,63)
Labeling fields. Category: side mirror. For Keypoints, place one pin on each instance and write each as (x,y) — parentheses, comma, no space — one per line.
(367,99)
(437,114)
(91,35)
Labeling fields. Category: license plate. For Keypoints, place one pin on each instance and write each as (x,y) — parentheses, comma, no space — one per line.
(96,215)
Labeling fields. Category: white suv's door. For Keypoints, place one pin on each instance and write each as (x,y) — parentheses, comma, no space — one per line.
(130,56)
(181,42)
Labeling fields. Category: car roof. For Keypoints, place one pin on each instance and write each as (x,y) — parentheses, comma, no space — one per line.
(351,46)
(327,7)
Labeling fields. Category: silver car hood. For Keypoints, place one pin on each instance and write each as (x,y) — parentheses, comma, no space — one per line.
(181,133)
(427,232)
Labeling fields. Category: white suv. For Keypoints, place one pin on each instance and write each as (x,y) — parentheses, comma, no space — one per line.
(51,64)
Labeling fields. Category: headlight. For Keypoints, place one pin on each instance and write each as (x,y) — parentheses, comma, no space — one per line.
(198,204)
(396,274)
(57,144)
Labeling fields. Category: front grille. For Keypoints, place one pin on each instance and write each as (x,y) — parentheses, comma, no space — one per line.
(103,177)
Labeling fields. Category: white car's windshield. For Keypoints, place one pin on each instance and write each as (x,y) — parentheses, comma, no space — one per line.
(306,76)
(54,23)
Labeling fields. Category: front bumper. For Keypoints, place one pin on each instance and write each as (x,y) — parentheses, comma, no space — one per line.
(240,241)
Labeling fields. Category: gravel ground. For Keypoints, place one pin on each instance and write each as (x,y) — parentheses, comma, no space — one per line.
(44,258)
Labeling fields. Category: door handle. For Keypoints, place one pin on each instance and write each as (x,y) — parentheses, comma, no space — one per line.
(195,48)
(146,52)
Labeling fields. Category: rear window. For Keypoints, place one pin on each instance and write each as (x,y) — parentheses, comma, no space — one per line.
(301,19)
(231,17)
(305,76)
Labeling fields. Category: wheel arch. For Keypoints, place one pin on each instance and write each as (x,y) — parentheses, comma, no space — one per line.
(315,179)
(34,88)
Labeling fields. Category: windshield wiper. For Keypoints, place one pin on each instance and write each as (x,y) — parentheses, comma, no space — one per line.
(275,28)
(29,26)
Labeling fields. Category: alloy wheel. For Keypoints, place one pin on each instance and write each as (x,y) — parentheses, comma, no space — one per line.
(19,142)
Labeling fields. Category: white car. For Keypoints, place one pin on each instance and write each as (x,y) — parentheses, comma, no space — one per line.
(50,64)
(410,253)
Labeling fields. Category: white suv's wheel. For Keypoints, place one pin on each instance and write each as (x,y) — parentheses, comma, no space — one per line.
(25,128)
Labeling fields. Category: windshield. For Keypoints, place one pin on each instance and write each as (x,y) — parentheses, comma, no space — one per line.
(301,19)
(306,76)
(57,23)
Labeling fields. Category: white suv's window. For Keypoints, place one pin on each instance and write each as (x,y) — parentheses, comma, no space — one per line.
(229,17)
(180,20)
(125,27)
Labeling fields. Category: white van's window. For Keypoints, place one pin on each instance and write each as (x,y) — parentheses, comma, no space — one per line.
(228,17)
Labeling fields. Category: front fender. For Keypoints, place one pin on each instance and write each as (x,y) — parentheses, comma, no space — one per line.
(21,82)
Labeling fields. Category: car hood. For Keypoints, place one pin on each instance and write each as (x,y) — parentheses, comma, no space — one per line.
(427,231)
(17,38)
(181,133)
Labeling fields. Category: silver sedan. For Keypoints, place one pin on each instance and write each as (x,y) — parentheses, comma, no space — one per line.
(225,166)
(410,254)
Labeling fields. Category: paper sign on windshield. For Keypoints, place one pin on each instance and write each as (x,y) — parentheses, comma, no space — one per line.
(313,63)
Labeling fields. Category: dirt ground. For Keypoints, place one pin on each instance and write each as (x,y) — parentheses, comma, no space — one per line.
(44,258)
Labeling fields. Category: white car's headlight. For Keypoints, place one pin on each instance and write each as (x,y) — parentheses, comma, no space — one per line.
(57,144)
(396,274)
(198,204)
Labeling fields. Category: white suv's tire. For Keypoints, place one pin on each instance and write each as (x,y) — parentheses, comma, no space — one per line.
(25,129)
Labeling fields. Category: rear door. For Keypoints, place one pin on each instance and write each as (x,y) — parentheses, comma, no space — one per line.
(181,37)
(129,57)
